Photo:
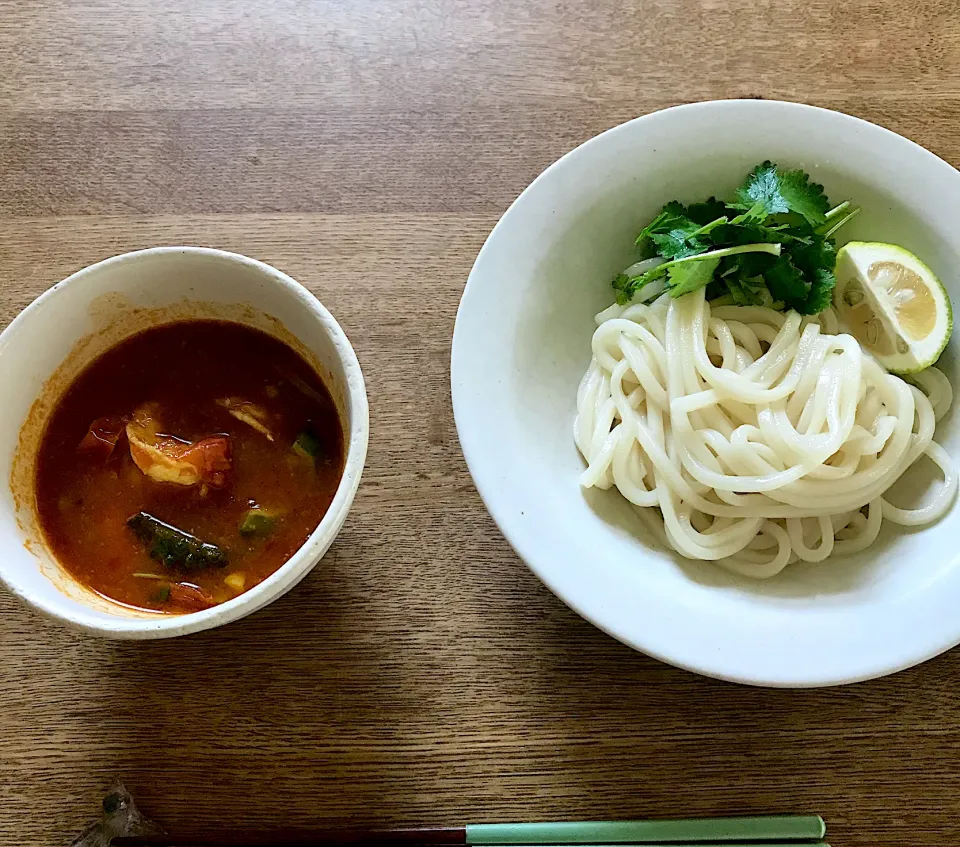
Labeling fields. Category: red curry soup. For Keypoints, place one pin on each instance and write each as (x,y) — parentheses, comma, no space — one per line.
(186,465)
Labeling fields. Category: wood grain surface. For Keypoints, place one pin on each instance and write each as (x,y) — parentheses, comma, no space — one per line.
(421,674)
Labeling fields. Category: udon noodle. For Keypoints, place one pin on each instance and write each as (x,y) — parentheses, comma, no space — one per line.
(753,437)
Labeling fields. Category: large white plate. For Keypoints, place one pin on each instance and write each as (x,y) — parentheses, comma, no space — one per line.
(522,342)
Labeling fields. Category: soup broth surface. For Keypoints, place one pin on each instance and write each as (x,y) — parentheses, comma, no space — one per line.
(186,464)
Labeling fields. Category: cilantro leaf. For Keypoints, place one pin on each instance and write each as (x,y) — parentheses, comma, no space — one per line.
(627,286)
(674,235)
(786,282)
(771,246)
(621,284)
(748,290)
(769,191)
(821,292)
(716,288)
(753,264)
(689,276)
(804,197)
(707,211)
(678,243)
(819,253)
(744,233)
(760,195)
(671,216)
(671,234)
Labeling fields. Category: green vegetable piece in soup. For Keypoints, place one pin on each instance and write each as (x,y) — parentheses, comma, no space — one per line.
(174,547)
(257,522)
(161,595)
(308,444)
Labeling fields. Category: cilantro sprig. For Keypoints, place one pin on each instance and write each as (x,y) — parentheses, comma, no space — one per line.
(772,245)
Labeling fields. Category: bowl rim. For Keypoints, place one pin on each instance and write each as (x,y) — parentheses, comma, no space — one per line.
(484,476)
(312,550)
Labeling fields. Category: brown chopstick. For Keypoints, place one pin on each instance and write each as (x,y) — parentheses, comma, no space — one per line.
(415,837)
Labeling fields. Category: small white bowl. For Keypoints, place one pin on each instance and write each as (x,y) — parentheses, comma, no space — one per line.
(67,327)
(522,343)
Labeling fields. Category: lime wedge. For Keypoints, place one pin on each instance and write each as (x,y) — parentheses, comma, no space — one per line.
(893,304)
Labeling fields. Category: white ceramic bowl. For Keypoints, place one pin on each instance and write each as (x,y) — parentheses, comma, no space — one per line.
(61,332)
(522,343)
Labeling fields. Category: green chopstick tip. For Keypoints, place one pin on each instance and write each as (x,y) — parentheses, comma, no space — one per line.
(770,828)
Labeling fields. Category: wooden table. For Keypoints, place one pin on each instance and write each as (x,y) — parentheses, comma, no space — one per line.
(421,673)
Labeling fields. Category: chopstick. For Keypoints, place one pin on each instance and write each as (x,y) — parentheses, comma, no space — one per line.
(692,830)
(767,831)
(218,842)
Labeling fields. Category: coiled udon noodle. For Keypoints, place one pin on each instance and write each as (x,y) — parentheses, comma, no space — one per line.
(753,437)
